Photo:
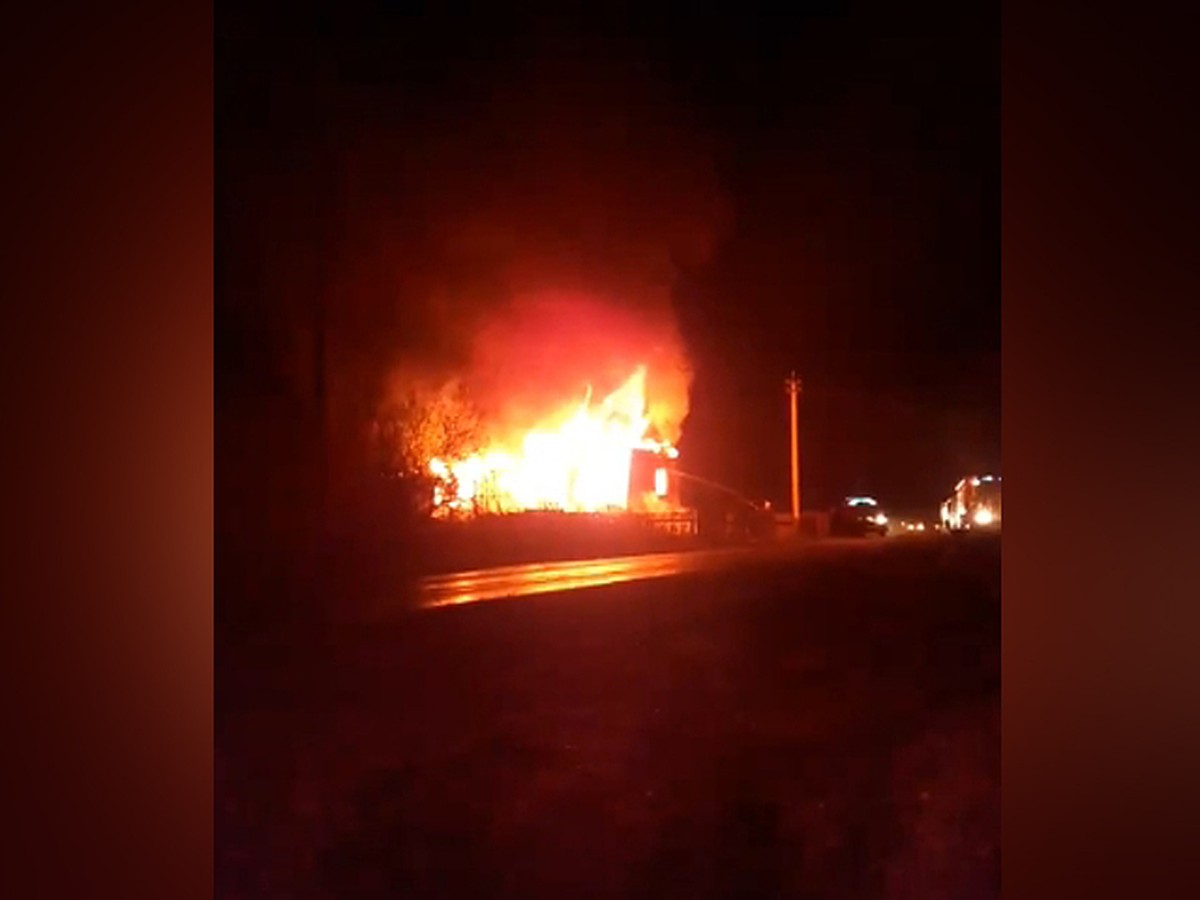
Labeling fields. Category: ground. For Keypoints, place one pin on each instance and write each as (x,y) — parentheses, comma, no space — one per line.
(824,724)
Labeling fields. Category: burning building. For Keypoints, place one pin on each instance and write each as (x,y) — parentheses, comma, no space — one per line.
(588,458)
(654,490)
(654,481)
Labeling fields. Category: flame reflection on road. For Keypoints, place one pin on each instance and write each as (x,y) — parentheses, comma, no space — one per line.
(541,578)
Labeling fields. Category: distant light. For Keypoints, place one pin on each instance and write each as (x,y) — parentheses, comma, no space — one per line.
(975,481)
(920,526)
(983,517)
(879,519)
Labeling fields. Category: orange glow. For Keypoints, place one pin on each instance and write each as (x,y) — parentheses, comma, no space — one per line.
(577,461)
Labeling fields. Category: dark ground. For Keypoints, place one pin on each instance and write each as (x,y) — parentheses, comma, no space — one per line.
(824,727)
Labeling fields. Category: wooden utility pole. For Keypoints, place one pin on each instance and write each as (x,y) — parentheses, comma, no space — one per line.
(793,385)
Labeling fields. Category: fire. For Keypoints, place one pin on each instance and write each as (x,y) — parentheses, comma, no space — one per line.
(578,461)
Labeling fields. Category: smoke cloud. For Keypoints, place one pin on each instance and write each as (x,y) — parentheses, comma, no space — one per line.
(548,349)
(556,212)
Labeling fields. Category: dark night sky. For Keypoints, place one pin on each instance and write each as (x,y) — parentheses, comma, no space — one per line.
(821,190)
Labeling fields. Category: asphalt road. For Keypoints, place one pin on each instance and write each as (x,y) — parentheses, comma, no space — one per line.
(822,723)
(524,580)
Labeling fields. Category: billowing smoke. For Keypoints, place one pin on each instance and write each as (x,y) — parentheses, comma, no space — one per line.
(545,350)
(556,215)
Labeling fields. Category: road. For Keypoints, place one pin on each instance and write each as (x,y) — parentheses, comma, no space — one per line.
(753,724)
(507,582)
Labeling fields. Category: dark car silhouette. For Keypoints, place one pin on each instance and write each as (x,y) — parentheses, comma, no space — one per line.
(858,517)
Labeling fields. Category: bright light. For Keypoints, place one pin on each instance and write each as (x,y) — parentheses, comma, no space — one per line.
(660,482)
(983,517)
(578,460)
(920,526)
(879,519)
(975,482)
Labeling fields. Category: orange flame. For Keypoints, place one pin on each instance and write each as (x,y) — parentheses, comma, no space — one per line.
(578,462)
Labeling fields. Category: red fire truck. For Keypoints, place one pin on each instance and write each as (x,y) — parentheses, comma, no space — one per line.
(974,505)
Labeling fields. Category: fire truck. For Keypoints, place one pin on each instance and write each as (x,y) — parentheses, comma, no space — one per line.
(974,505)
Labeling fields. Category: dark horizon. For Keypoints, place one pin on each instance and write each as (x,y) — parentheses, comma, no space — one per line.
(817,192)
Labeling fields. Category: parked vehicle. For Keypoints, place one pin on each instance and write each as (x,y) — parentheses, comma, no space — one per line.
(974,506)
(858,517)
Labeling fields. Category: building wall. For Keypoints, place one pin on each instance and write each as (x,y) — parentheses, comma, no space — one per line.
(643,488)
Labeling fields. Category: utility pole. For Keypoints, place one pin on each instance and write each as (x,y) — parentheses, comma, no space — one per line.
(793,385)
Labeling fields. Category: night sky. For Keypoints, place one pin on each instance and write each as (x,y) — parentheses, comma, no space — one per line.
(817,191)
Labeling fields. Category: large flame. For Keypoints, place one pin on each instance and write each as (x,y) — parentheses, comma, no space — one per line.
(577,461)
